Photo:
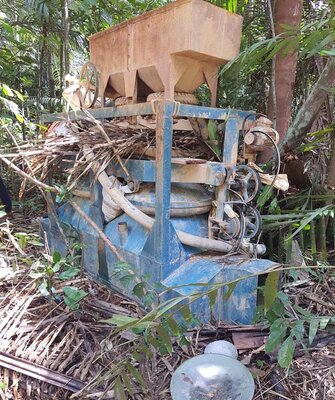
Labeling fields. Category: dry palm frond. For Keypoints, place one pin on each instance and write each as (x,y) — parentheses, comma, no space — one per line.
(115,143)
(44,331)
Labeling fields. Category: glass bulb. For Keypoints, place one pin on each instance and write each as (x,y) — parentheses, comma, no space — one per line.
(222,347)
(212,377)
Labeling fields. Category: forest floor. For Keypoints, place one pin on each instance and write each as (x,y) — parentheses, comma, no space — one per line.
(44,332)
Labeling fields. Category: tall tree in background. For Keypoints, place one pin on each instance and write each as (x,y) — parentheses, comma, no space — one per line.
(65,43)
(287,14)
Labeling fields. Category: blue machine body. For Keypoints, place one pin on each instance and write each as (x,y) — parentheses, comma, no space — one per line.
(157,253)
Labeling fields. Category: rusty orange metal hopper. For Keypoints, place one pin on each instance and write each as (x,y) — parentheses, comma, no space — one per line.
(174,48)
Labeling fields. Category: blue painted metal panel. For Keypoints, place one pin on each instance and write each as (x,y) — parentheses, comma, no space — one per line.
(90,241)
(138,248)
(145,171)
(240,307)
(182,269)
(230,152)
(96,191)
(79,230)
(49,230)
(191,273)
(137,235)
(172,256)
(230,145)
(158,253)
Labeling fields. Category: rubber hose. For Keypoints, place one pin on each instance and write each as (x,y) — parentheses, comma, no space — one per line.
(186,238)
(146,221)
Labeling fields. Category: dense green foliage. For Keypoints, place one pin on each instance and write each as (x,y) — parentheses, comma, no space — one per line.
(32,43)
(35,36)
(246,80)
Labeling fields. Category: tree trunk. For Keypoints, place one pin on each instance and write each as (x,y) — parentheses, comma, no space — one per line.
(65,12)
(287,12)
(41,70)
(61,69)
(331,166)
(51,80)
(310,109)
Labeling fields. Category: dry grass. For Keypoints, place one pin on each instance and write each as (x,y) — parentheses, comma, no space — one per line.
(310,377)
(76,343)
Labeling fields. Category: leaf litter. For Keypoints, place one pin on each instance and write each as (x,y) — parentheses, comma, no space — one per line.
(79,345)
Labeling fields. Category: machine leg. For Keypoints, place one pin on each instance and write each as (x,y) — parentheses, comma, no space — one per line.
(230,151)
(162,226)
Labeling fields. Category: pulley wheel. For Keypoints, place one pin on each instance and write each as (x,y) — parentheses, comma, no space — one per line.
(253,222)
(226,229)
(88,85)
(246,183)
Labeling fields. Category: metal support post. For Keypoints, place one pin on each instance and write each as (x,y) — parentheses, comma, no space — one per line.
(162,243)
(230,151)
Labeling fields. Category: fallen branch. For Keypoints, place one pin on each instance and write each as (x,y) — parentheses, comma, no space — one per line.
(47,196)
(72,203)
(320,341)
(26,176)
(109,142)
(319,301)
(108,243)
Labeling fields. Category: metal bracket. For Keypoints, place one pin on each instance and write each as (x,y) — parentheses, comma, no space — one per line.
(176,107)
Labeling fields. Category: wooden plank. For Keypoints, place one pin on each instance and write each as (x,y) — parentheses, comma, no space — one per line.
(248,340)
(173,48)
(187,161)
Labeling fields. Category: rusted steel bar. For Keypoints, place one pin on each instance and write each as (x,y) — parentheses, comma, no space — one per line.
(41,373)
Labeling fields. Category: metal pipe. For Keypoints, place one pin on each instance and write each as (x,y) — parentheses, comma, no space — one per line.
(185,238)
(117,196)
(147,222)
